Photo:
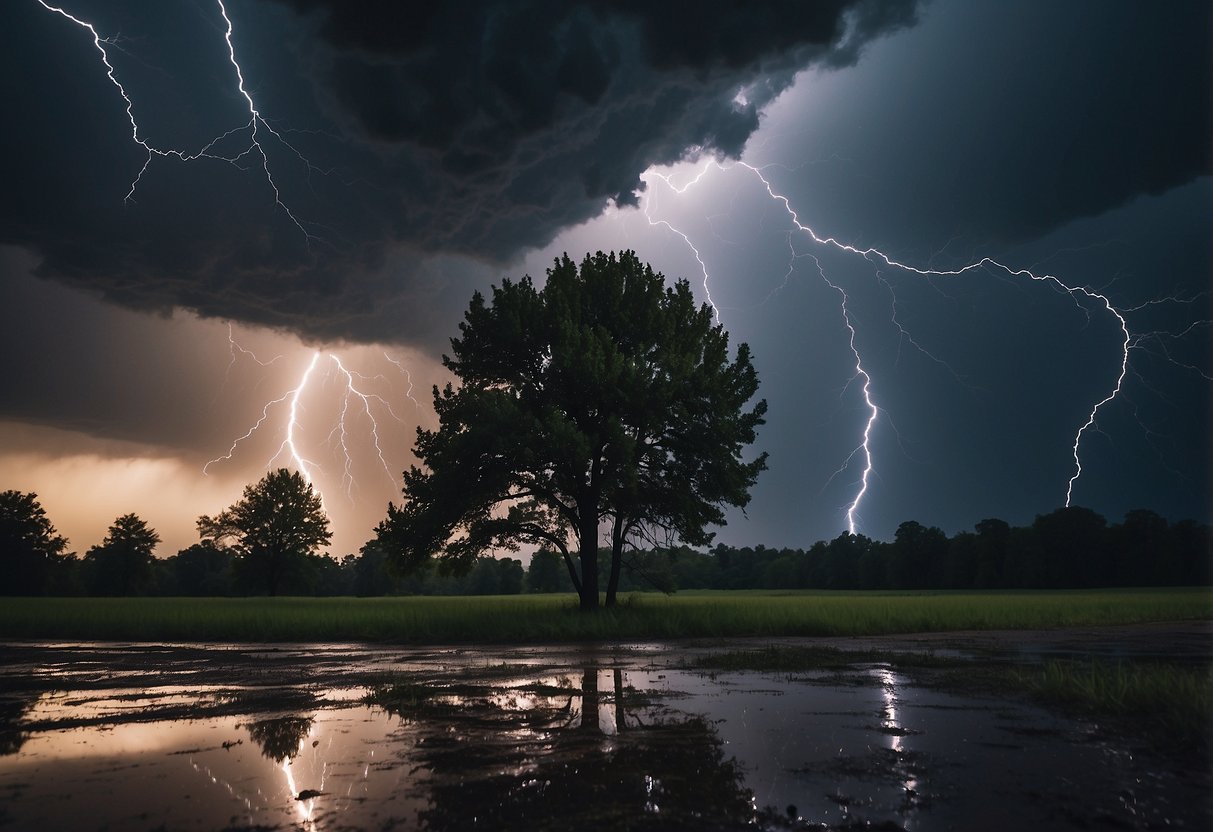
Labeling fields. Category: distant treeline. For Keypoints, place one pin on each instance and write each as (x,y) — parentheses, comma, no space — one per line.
(1068,548)
(205,570)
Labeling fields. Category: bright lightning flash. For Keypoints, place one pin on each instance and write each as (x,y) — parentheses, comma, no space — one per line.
(253,127)
(1081,295)
(357,401)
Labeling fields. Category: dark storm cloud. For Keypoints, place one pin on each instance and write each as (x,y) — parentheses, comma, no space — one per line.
(462,132)
(997,123)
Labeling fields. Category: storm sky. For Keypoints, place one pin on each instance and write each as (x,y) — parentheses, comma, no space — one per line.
(324,233)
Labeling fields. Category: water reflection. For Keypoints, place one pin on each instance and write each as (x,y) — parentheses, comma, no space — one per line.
(280,738)
(12,730)
(547,738)
(902,764)
(555,756)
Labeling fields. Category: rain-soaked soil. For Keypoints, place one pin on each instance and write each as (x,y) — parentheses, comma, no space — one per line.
(631,736)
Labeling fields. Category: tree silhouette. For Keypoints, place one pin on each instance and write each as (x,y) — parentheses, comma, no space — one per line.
(29,546)
(122,563)
(1071,545)
(605,397)
(201,569)
(545,573)
(278,522)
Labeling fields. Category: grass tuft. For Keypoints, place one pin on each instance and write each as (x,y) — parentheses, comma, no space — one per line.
(1175,698)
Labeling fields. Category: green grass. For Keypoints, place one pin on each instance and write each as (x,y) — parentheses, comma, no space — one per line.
(554,618)
(1175,698)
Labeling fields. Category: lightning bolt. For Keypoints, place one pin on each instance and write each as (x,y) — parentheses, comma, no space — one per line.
(254,152)
(408,377)
(366,399)
(707,289)
(865,446)
(288,447)
(880,259)
(357,401)
(254,126)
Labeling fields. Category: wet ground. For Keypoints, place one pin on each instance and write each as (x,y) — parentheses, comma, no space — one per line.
(332,737)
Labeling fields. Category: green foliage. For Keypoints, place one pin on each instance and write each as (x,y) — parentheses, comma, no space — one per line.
(546,573)
(30,549)
(122,563)
(604,396)
(277,524)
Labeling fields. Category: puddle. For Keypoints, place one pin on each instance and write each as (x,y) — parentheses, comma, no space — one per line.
(188,737)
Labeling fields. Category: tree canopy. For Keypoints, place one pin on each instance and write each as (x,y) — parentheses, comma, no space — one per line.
(279,521)
(29,545)
(606,399)
(122,563)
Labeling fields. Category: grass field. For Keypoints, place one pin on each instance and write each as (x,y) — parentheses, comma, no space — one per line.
(554,618)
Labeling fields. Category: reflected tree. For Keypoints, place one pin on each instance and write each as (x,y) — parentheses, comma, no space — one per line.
(12,732)
(558,766)
(280,738)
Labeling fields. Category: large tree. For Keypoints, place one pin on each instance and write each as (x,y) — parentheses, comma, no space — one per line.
(122,563)
(274,527)
(30,548)
(604,402)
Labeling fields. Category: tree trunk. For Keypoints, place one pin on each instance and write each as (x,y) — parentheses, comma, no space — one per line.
(587,512)
(589,573)
(616,561)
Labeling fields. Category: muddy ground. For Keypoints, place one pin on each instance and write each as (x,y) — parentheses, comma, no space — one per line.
(121,736)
